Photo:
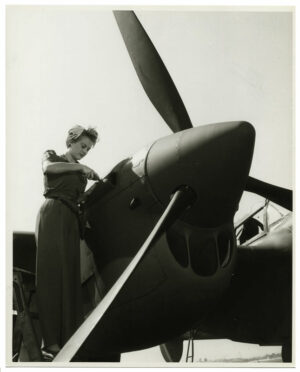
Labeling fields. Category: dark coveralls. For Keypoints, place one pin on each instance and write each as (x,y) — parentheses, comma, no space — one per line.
(59,296)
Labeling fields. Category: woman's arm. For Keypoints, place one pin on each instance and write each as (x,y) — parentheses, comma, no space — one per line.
(52,163)
(61,167)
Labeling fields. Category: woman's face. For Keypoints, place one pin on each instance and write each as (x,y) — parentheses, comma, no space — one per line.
(80,148)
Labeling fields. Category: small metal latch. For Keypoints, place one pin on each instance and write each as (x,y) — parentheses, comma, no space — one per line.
(135,202)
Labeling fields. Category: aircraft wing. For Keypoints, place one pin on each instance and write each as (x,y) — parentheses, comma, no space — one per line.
(258,305)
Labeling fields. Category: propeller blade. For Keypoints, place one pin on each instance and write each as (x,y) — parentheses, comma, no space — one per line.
(276,194)
(182,199)
(152,72)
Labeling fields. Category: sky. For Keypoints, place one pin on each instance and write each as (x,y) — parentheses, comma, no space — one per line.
(68,65)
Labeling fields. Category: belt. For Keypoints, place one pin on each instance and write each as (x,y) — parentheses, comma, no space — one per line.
(77,209)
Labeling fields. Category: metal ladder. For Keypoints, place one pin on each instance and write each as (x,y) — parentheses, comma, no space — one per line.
(190,348)
(23,329)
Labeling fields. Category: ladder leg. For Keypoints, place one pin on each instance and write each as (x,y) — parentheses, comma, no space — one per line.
(190,348)
(25,322)
(17,339)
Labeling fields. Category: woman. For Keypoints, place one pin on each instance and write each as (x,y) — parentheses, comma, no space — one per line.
(58,240)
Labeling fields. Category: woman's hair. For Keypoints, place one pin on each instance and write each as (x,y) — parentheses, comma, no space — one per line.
(75,133)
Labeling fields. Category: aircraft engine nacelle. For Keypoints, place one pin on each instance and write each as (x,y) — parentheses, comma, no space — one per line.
(214,160)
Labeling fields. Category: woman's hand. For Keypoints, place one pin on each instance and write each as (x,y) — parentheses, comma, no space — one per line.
(90,173)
